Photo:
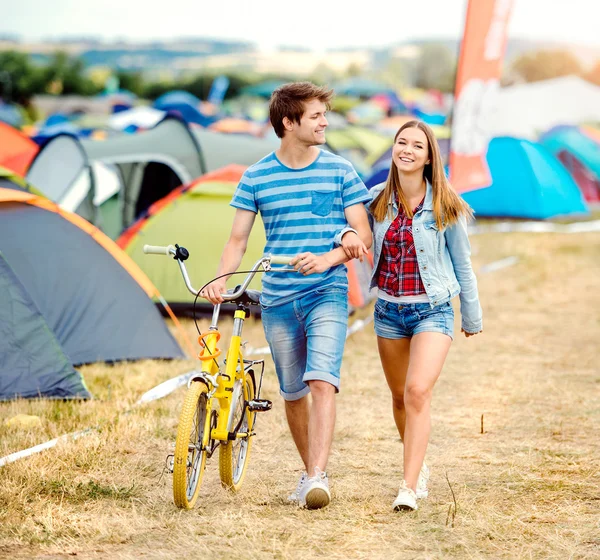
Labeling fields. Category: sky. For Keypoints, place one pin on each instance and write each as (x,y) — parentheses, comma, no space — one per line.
(318,25)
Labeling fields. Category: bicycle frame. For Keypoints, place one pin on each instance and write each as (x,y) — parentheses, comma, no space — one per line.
(221,385)
(216,394)
(234,370)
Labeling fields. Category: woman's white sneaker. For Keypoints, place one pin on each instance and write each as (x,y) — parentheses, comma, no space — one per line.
(406,499)
(422,490)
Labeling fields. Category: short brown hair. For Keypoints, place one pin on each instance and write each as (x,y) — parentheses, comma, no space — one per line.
(288,101)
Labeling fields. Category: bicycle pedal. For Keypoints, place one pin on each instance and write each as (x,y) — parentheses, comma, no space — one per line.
(259,405)
(170,463)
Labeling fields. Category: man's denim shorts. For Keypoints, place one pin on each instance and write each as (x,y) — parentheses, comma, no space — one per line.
(307,338)
(393,320)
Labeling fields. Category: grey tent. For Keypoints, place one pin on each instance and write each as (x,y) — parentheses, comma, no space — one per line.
(86,289)
(32,362)
(220,149)
(113,182)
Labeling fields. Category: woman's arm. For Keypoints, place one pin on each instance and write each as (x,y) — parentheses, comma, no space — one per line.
(457,241)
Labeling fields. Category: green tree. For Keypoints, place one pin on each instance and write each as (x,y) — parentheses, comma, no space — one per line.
(131,81)
(545,65)
(435,68)
(396,72)
(19,78)
(66,75)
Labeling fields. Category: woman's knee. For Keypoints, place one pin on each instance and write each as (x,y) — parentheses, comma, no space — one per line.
(416,396)
(398,398)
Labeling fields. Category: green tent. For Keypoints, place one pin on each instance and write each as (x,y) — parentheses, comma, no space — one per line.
(197,217)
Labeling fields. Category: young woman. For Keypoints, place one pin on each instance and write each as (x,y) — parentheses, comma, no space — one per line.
(422,261)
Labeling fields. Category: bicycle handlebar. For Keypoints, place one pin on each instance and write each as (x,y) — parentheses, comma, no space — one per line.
(274,259)
(265,262)
(158,250)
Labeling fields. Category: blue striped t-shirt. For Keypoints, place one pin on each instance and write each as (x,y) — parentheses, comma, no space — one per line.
(302,210)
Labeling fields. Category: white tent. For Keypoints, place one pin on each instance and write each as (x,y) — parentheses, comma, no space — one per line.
(141,117)
(527,110)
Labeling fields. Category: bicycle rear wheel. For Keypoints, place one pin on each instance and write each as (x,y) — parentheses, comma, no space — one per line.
(193,437)
(234,455)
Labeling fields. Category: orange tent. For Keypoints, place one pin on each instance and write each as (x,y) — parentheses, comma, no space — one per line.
(236,126)
(16,150)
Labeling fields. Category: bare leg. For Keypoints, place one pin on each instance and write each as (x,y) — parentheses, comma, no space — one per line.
(321,425)
(428,352)
(298,413)
(394,355)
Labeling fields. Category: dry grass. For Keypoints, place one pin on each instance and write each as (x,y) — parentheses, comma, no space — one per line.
(528,487)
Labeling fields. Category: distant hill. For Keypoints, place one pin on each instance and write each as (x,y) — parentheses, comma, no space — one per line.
(193,54)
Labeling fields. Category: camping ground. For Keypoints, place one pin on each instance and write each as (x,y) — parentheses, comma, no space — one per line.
(514,450)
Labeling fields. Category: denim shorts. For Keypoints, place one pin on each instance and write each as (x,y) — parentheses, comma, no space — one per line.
(307,338)
(393,320)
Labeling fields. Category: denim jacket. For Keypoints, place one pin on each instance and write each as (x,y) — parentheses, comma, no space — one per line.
(444,259)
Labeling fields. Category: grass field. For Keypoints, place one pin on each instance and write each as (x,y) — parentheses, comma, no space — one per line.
(514,453)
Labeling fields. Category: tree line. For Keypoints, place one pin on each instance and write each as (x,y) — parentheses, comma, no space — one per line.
(434,68)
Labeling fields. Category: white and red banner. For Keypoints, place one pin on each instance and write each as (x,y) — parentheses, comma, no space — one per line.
(477,84)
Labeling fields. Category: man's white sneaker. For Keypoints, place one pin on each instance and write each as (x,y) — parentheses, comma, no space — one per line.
(422,490)
(315,491)
(295,495)
(406,499)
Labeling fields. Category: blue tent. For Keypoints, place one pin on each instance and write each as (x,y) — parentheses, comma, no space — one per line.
(10,114)
(361,87)
(184,105)
(51,130)
(528,182)
(176,97)
(262,89)
(571,139)
(380,174)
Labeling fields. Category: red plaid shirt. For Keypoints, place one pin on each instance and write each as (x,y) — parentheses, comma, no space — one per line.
(399,271)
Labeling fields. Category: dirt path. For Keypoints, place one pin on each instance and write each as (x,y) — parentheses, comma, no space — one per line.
(527,487)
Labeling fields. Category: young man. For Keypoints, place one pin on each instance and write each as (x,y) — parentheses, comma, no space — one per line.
(306,197)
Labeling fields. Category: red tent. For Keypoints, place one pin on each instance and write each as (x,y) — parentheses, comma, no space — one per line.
(16,150)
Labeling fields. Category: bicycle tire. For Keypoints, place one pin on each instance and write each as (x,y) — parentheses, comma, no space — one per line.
(189,461)
(234,455)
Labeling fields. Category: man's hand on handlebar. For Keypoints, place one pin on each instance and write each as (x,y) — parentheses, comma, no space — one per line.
(212,292)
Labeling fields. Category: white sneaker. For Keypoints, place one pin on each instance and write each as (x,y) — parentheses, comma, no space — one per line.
(406,499)
(295,496)
(422,490)
(315,491)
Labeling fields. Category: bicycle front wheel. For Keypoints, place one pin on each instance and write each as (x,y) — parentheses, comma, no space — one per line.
(193,436)
(234,455)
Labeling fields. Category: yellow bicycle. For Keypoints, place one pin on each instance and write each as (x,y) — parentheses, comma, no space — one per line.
(222,400)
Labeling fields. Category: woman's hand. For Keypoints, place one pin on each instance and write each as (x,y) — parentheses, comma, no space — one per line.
(353,246)
(308,263)
(468,334)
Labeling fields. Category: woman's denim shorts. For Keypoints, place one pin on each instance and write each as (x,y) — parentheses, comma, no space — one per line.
(393,320)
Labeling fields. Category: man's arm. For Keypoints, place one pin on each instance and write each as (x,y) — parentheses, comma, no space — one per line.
(232,254)
(356,216)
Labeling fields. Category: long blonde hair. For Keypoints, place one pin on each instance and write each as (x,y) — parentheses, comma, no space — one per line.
(448,206)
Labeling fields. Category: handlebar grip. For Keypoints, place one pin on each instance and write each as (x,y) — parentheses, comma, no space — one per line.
(158,250)
(280,260)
